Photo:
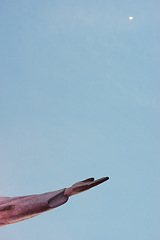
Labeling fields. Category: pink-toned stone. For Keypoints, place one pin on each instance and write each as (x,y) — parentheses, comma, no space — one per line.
(16,209)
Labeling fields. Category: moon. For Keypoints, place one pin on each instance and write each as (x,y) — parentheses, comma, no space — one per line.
(130,18)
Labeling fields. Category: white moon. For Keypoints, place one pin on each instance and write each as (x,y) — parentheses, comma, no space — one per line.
(130,18)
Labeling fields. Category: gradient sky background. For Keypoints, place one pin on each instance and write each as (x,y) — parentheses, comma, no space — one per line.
(80,97)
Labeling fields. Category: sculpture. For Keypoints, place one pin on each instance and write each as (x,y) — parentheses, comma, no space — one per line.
(16,209)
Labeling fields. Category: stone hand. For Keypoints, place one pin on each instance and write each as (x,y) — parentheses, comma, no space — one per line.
(84,185)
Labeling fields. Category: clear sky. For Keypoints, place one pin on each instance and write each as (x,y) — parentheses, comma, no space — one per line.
(79,98)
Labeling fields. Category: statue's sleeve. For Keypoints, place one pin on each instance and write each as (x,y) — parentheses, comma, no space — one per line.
(20,208)
(57,200)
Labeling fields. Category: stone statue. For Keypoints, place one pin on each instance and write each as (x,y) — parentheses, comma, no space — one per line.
(16,209)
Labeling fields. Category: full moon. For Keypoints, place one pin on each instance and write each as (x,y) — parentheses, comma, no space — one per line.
(130,18)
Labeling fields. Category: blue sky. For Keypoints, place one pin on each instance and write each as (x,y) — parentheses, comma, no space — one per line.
(79,97)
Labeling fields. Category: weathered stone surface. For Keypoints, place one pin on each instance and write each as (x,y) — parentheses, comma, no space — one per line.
(16,209)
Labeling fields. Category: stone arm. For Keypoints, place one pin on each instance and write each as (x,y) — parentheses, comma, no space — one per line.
(16,209)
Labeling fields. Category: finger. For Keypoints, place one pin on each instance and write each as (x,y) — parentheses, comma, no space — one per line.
(98,181)
(88,186)
(88,180)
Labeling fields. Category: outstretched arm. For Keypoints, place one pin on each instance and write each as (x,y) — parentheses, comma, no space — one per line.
(17,209)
